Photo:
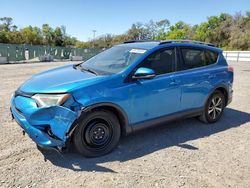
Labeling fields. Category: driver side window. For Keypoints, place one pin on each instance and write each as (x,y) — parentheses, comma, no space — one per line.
(161,61)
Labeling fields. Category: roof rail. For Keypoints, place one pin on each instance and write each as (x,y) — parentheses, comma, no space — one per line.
(171,41)
(133,41)
(186,41)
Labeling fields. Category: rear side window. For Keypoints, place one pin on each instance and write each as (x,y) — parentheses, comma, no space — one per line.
(193,58)
(211,57)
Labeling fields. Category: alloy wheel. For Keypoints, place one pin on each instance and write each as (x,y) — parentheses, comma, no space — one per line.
(215,107)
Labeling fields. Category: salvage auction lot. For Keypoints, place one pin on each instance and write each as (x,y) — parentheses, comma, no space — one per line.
(184,153)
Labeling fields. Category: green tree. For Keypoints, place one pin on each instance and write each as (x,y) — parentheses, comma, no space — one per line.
(4,38)
(58,37)
(31,35)
(240,32)
(180,30)
(148,31)
(47,34)
(6,23)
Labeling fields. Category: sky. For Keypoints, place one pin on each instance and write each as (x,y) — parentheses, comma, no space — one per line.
(113,16)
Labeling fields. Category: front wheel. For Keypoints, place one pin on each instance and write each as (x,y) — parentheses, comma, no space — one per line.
(214,108)
(97,134)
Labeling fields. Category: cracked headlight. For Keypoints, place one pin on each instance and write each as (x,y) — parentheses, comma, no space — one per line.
(43,100)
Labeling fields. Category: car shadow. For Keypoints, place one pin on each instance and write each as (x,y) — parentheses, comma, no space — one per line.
(150,140)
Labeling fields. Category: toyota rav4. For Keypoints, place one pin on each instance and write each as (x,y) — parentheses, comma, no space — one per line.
(128,87)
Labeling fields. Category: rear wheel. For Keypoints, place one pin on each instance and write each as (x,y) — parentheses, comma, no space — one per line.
(97,134)
(214,108)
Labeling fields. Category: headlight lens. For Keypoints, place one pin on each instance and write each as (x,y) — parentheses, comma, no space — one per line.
(43,100)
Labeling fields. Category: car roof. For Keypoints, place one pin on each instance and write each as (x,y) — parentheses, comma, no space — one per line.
(144,45)
(185,43)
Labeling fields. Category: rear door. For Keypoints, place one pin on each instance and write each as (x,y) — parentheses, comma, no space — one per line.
(196,76)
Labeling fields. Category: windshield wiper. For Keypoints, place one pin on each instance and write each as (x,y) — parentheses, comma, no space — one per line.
(76,65)
(85,69)
(89,70)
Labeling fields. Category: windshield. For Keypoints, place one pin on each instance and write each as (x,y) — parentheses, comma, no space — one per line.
(113,60)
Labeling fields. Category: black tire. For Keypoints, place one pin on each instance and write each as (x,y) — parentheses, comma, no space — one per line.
(97,134)
(214,108)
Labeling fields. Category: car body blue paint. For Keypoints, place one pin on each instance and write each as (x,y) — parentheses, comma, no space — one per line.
(140,100)
(62,79)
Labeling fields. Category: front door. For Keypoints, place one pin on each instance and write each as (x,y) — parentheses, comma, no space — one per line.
(160,96)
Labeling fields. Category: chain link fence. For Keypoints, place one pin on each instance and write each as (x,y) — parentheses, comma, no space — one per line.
(28,53)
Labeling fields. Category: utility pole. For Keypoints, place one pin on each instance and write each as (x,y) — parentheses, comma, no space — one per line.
(94,31)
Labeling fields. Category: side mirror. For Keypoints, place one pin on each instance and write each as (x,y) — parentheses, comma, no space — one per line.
(144,73)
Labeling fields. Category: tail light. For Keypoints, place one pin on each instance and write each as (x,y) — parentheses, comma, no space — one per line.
(230,69)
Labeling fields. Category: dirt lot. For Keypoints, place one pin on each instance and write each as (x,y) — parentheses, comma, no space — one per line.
(181,154)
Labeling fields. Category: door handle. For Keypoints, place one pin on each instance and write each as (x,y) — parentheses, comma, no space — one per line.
(174,82)
(209,76)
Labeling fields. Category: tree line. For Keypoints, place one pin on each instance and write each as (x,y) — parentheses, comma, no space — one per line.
(230,32)
(9,33)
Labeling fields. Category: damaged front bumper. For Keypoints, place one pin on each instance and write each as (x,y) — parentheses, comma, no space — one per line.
(48,126)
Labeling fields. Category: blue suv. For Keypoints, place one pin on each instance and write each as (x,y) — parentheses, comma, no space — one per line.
(128,87)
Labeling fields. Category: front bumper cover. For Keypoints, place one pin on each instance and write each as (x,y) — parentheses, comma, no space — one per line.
(36,121)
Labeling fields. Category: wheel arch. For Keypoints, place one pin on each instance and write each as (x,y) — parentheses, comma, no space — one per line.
(223,89)
(117,110)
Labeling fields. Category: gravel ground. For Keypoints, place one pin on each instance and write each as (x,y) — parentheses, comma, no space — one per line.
(184,153)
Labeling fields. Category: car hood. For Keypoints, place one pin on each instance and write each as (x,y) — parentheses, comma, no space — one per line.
(59,80)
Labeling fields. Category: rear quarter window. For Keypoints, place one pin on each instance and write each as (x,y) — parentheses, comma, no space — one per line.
(211,57)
